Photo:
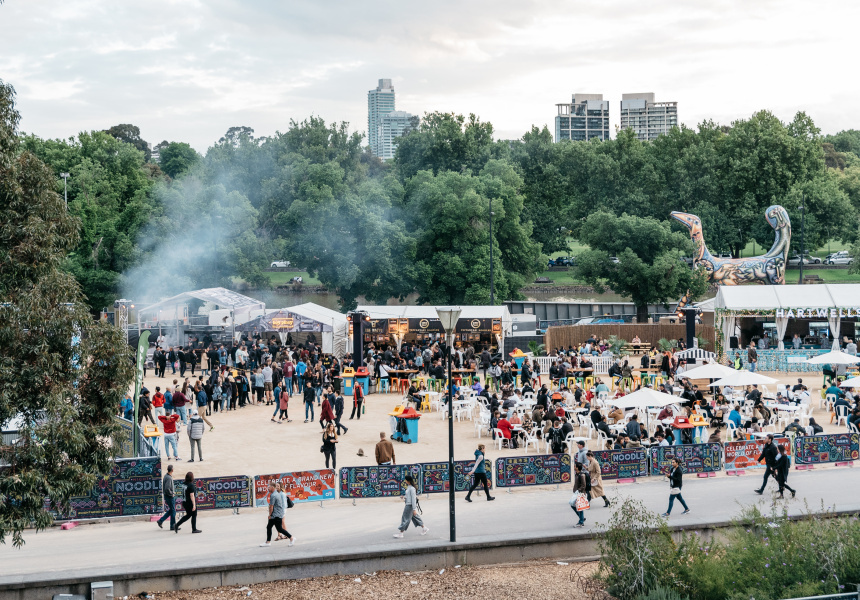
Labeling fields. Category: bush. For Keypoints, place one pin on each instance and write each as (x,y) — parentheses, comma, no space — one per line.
(661,593)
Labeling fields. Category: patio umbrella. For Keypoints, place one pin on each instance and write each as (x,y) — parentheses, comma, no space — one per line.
(643,399)
(743,378)
(712,370)
(835,357)
(854,382)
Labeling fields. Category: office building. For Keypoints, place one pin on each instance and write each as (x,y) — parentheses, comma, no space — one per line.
(393,125)
(586,117)
(380,102)
(649,119)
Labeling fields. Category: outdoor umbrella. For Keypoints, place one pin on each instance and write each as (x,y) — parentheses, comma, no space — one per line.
(712,370)
(644,399)
(854,382)
(743,378)
(835,357)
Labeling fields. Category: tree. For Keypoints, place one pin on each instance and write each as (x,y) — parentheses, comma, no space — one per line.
(235,135)
(649,268)
(130,134)
(62,374)
(176,158)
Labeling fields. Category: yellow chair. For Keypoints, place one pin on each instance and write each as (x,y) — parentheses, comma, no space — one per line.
(589,382)
(425,403)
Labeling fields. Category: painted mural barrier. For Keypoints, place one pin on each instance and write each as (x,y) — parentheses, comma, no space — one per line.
(818,449)
(742,455)
(434,476)
(300,486)
(542,469)
(231,491)
(622,464)
(378,481)
(695,458)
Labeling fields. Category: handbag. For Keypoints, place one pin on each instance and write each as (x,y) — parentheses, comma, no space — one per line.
(674,491)
(290,502)
(582,502)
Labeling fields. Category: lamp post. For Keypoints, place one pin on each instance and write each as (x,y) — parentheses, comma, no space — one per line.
(448,317)
(65,177)
(802,209)
(492,295)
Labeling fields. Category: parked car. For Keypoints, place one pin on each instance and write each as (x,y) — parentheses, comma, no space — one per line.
(279,264)
(562,261)
(794,261)
(840,258)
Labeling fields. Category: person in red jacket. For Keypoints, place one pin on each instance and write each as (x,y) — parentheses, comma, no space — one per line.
(326,413)
(158,402)
(505,426)
(170,437)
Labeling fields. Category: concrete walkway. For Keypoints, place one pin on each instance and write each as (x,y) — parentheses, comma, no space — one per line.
(340,527)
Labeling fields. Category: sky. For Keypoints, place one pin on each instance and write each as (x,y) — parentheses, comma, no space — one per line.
(187,70)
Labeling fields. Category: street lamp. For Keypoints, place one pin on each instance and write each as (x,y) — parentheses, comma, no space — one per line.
(802,209)
(449,317)
(65,177)
(492,296)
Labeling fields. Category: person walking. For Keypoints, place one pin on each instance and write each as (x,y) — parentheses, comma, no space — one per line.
(479,472)
(284,405)
(276,516)
(144,409)
(783,465)
(357,399)
(309,397)
(329,439)
(195,434)
(190,504)
(580,489)
(385,451)
(768,455)
(410,510)
(338,414)
(675,483)
(169,494)
(594,472)
(326,413)
(168,424)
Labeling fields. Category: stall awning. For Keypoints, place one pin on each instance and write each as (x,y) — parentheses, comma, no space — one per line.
(474,319)
(222,297)
(752,298)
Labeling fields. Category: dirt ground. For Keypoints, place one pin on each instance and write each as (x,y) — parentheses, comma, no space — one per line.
(536,580)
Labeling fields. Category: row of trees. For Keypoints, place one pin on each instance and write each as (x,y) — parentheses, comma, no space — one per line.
(420,223)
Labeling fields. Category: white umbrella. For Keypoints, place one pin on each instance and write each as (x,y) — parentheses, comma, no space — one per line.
(743,378)
(712,370)
(644,398)
(854,382)
(835,357)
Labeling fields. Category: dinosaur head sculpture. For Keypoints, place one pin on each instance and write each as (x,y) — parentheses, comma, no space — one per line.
(694,224)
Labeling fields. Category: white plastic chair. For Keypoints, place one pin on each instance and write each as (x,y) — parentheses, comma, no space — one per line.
(841,415)
(830,400)
(532,440)
(731,431)
(500,438)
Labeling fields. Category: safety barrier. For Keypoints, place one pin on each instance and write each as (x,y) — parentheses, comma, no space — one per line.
(300,486)
(546,469)
(434,476)
(819,449)
(231,491)
(622,464)
(743,455)
(377,481)
(696,458)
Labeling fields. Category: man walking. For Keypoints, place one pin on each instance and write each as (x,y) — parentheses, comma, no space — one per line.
(195,434)
(768,455)
(479,472)
(276,516)
(169,499)
(338,413)
(384,451)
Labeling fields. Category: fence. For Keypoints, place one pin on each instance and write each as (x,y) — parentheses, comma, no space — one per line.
(601,363)
(650,333)
(818,449)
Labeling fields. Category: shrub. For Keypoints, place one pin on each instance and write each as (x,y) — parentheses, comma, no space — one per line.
(661,593)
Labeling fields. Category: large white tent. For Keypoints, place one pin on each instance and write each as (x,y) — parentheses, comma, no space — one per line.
(335,334)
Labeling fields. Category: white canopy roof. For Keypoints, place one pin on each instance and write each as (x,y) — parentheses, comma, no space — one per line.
(221,297)
(644,398)
(319,313)
(770,297)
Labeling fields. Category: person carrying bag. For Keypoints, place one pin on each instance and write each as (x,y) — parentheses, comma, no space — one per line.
(579,501)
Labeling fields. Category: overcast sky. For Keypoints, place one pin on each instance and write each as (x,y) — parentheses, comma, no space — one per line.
(186,71)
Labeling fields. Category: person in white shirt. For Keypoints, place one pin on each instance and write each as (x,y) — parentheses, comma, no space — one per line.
(851,348)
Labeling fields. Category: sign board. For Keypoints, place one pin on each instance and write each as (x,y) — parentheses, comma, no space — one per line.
(620,464)
(542,469)
(379,481)
(695,458)
(132,488)
(283,323)
(816,449)
(231,491)
(300,486)
(434,476)
(742,455)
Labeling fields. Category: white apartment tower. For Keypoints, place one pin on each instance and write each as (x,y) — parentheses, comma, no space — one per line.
(585,117)
(646,117)
(380,102)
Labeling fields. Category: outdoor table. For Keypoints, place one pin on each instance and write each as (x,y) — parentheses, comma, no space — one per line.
(786,407)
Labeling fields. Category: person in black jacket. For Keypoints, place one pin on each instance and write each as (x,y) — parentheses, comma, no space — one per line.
(783,464)
(768,455)
(675,483)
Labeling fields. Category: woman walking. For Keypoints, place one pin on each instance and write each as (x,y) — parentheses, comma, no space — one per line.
(675,483)
(580,489)
(329,440)
(190,504)
(596,479)
(410,511)
(479,471)
(276,516)
(783,464)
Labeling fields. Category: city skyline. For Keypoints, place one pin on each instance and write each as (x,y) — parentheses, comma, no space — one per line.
(189,71)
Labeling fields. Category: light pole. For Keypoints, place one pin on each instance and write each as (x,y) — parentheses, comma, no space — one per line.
(448,317)
(159,323)
(65,177)
(492,295)
(802,209)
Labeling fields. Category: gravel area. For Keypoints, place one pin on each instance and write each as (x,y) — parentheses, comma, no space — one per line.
(536,580)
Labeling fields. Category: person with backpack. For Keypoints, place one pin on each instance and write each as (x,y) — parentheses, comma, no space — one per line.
(357,399)
(276,516)
(309,397)
(195,434)
(675,483)
(768,455)
(595,479)
(411,510)
(479,472)
(580,490)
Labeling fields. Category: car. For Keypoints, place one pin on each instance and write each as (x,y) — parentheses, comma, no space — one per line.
(279,264)
(840,258)
(794,261)
(614,259)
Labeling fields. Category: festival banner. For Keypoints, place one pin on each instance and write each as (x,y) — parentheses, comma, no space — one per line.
(231,491)
(133,487)
(142,347)
(743,455)
(434,476)
(300,486)
(619,464)
(816,449)
(379,481)
(695,458)
(541,469)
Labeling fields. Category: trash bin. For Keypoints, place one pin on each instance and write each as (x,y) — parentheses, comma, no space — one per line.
(362,378)
(348,380)
(407,426)
(680,425)
(700,431)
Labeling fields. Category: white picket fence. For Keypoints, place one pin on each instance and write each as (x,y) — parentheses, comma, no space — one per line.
(601,364)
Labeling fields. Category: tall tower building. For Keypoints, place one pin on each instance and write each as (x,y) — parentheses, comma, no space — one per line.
(586,117)
(380,102)
(649,119)
(393,125)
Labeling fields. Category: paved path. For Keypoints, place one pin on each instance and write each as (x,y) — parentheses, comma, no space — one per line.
(369,525)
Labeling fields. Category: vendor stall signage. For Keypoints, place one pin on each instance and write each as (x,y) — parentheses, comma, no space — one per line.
(743,455)
(379,481)
(547,469)
(816,313)
(814,449)
(618,464)
(216,492)
(434,476)
(300,486)
(695,458)
(283,323)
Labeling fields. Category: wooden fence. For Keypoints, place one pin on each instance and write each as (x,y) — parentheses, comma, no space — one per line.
(649,333)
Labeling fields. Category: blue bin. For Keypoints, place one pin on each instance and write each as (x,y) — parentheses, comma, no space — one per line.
(347,385)
(364,382)
(411,435)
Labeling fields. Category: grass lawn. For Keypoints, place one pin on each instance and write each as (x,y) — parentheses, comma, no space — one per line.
(828,275)
(277,278)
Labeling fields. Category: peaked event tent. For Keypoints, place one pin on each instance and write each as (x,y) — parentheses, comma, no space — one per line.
(303,320)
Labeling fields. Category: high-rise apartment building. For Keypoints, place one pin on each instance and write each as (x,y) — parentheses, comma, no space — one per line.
(586,117)
(393,125)
(646,117)
(380,102)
